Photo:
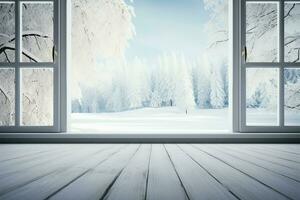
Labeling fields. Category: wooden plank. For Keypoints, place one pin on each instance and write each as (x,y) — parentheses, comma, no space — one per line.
(27,176)
(239,183)
(277,154)
(14,165)
(163,182)
(288,148)
(277,182)
(132,183)
(97,182)
(197,181)
(9,152)
(53,183)
(249,157)
(269,157)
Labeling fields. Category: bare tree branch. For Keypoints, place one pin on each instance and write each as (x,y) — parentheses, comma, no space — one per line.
(6,56)
(298,55)
(290,10)
(293,107)
(289,42)
(217,42)
(25,35)
(25,53)
(6,97)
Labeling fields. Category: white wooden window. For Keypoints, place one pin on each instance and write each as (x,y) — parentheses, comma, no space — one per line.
(29,66)
(270,78)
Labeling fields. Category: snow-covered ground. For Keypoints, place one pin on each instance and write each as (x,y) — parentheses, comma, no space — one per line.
(265,117)
(153,120)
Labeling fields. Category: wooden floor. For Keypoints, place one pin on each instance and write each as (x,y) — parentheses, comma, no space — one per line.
(150,171)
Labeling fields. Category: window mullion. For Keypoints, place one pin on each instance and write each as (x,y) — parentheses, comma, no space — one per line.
(281,60)
(17,60)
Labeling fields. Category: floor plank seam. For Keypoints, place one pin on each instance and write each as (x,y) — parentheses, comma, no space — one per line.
(148,170)
(215,178)
(245,174)
(24,156)
(35,165)
(274,155)
(270,170)
(85,172)
(276,163)
(177,174)
(281,150)
(27,182)
(107,190)
(18,161)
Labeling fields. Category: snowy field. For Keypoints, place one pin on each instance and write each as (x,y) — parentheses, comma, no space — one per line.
(264,117)
(153,120)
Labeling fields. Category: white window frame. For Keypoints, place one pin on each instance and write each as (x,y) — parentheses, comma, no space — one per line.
(280,65)
(62,104)
(18,65)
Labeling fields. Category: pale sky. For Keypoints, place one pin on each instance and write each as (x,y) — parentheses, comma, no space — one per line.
(167,26)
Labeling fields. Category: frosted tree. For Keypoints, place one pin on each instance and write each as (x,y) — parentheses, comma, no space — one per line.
(201,83)
(215,57)
(117,96)
(138,79)
(166,73)
(292,89)
(261,32)
(184,97)
(292,54)
(262,88)
(101,30)
(156,85)
(292,31)
(217,93)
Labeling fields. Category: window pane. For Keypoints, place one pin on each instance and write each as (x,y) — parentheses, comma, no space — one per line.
(37,97)
(7,32)
(292,97)
(7,97)
(262,31)
(292,32)
(261,97)
(37,33)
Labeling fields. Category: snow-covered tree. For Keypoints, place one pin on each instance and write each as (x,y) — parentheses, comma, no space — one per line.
(261,32)
(201,84)
(292,89)
(262,90)
(292,32)
(216,56)
(138,80)
(101,30)
(184,97)
(217,93)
